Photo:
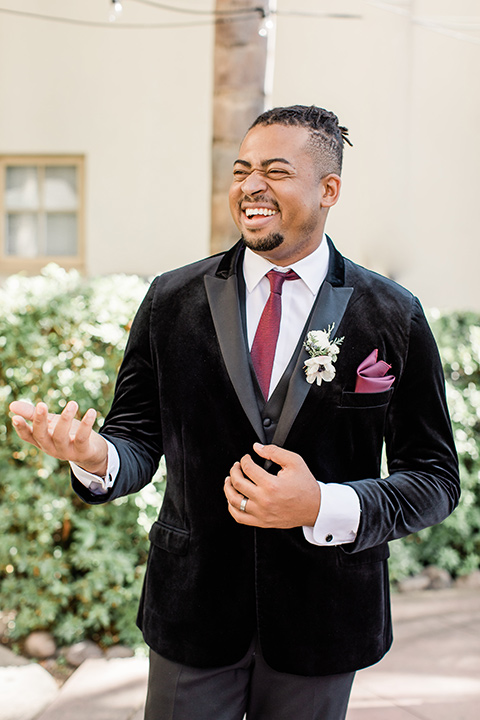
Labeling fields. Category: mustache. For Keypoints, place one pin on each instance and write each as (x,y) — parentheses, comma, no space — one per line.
(258,199)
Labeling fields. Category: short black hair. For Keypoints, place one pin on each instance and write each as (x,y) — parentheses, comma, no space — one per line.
(327,137)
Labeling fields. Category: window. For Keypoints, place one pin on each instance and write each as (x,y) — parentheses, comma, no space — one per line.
(41,203)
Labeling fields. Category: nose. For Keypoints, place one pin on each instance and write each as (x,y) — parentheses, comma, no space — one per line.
(254,183)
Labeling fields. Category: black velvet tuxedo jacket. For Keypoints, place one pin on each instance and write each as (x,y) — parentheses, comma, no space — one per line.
(185,389)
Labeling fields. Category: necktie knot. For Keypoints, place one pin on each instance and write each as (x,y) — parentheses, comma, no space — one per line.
(277,278)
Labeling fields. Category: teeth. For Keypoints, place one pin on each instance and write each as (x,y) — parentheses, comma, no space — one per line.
(250,212)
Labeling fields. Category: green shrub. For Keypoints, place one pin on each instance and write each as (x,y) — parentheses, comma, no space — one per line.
(454,544)
(75,569)
(66,566)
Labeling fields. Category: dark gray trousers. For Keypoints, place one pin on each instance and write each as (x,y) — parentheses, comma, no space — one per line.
(248,688)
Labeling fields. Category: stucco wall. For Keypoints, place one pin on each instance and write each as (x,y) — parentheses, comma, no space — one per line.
(409,95)
(137,103)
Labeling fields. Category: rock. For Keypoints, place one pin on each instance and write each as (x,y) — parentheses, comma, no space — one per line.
(438,577)
(414,583)
(118,651)
(8,658)
(469,581)
(25,691)
(40,645)
(84,650)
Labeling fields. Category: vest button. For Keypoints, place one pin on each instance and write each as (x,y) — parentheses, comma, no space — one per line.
(328,538)
(267,422)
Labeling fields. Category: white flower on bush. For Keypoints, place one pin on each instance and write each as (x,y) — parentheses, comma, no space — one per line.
(323,353)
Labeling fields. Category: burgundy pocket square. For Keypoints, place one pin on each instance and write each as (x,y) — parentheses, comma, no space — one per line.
(372,375)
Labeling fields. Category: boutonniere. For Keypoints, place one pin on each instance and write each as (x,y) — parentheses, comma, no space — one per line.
(323,353)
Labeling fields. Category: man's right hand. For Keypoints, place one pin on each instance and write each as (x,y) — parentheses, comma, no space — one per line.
(62,436)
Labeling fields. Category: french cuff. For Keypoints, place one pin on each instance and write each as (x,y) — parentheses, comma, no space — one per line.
(338,518)
(96,484)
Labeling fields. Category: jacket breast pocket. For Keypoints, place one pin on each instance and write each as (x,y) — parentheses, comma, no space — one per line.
(361,401)
(172,539)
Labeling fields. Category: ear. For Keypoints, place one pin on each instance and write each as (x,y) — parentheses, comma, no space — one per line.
(331,185)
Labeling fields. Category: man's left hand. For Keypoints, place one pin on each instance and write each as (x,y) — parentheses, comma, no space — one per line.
(291,498)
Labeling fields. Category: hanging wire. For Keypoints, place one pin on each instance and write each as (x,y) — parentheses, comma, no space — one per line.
(215,13)
(119,25)
(263,12)
(306,13)
(399,7)
(447,27)
(233,15)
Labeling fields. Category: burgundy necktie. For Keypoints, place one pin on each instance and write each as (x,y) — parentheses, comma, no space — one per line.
(265,341)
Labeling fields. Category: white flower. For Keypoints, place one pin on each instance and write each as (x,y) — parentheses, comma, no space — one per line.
(323,353)
(320,339)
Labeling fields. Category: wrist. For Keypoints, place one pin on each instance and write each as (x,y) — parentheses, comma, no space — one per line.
(98,464)
(98,469)
(313,506)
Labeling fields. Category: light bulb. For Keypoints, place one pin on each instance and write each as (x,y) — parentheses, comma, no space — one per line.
(115,10)
(265,26)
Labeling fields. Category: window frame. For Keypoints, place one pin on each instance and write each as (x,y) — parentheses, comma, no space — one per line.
(10,264)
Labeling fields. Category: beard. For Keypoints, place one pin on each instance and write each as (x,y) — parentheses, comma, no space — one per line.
(266,244)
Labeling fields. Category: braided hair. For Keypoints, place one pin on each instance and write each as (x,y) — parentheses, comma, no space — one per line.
(327,137)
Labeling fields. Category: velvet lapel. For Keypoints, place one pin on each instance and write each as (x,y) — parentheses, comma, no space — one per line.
(222,294)
(329,308)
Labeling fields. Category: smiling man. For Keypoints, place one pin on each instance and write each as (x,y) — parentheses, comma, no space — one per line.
(279,203)
(267,581)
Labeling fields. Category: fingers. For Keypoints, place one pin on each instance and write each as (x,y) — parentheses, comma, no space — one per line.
(238,504)
(278,455)
(239,489)
(40,430)
(234,498)
(22,408)
(23,430)
(237,486)
(63,424)
(84,429)
(61,436)
(71,437)
(288,498)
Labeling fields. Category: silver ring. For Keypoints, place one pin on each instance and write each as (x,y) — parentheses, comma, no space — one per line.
(243,504)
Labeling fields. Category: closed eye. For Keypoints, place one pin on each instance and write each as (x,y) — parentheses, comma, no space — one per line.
(239,173)
(277,172)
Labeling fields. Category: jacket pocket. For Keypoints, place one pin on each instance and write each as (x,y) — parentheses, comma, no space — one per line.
(172,539)
(365,400)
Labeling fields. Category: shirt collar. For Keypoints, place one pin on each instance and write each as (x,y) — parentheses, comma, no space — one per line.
(312,269)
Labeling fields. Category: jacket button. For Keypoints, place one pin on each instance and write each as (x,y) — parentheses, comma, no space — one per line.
(267,422)
(328,538)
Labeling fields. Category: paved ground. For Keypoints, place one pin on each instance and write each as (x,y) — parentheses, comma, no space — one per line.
(433,669)
(102,690)
(431,673)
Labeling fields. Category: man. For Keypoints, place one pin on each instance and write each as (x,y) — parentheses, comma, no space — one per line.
(267,584)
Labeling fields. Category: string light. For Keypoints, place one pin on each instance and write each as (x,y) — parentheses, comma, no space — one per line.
(115,10)
(265,26)
(237,14)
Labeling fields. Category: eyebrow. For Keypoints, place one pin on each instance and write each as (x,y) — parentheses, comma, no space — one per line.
(265,163)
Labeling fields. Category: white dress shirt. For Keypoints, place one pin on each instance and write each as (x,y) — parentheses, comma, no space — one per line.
(339,515)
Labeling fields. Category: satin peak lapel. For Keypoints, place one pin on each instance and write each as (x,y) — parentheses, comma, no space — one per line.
(329,308)
(223,298)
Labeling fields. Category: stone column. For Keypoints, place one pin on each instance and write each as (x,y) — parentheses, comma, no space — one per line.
(240,59)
